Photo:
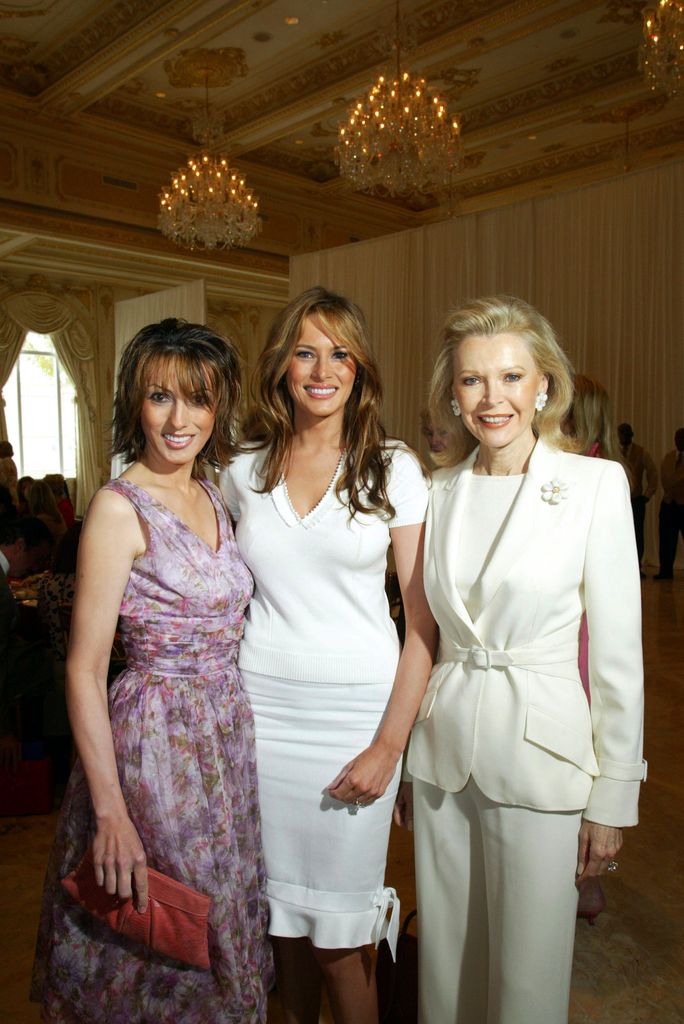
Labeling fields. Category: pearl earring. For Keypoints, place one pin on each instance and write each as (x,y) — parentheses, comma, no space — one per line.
(455,407)
(541,400)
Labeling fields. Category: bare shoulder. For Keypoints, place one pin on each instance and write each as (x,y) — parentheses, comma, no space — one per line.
(110,517)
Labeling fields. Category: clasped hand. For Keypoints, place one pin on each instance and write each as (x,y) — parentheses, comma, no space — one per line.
(366,778)
(119,860)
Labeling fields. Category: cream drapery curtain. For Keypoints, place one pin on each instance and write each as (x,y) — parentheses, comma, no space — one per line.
(45,313)
(603,263)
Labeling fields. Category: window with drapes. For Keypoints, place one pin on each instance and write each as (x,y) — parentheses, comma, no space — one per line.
(40,410)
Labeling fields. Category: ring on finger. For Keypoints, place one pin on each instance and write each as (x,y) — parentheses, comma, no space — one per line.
(613,865)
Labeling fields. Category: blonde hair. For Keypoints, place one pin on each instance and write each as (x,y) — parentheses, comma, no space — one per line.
(485,318)
(270,422)
(590,418)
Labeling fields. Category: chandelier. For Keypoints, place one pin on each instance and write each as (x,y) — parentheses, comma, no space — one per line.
(208,204)
(399,137)
(662,49)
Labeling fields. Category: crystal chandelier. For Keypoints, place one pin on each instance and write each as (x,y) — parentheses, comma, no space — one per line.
(208,204)
(662,49)
(399,137)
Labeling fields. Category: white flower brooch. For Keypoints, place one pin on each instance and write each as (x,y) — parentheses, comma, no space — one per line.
(554,492)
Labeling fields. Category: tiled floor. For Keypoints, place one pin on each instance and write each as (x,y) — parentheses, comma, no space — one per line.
(629,968)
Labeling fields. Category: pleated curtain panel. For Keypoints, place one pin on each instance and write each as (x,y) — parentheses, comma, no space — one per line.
(603,263)
(50,314)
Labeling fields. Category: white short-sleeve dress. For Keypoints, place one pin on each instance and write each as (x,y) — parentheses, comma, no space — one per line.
(318,660)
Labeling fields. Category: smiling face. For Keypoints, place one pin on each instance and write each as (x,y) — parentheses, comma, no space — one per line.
(320,376)
(496,383)
(176,426)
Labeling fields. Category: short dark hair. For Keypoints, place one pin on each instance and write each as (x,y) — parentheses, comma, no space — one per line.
(33,531)
(200,361)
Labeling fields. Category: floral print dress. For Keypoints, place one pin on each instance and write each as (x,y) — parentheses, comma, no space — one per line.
(184,741)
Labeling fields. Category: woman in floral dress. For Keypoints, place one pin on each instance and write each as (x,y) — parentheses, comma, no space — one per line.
(166,775)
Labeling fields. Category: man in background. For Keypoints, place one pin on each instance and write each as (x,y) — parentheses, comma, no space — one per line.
(671,519)
(643,480)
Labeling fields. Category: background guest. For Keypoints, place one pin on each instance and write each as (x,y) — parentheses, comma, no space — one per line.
(55,596)
(23,488)
(25,674)
(590,419)
(43,506)
(671,517)
(643,480)
(60,490)
(8,468)
(8,510)
(437,437)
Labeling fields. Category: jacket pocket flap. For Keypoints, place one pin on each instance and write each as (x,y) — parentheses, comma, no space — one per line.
(558,738)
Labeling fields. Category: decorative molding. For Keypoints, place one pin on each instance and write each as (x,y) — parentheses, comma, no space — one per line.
(195,68)
(626,11)
(626,113)
(599,75)
(561,64)
(576,159)
(14,47)
(329,39)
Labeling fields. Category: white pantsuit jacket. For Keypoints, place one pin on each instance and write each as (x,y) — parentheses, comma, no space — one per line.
(505,702)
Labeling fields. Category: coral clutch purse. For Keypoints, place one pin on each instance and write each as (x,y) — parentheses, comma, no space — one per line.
(174,923)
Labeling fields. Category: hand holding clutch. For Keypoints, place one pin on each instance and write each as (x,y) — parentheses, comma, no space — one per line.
(174,923)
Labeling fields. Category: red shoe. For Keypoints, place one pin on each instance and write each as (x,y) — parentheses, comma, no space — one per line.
(591,900)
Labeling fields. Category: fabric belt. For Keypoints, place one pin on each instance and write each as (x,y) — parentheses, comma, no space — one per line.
(550,655)
(524,657)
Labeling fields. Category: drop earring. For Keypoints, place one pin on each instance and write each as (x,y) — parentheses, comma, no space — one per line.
(541,400)
(455,407)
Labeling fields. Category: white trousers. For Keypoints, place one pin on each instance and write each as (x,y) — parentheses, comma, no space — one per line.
(496,908)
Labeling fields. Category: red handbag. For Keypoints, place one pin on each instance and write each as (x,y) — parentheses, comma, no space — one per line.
(174,923)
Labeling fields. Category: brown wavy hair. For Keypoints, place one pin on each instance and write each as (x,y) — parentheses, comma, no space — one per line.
(201,362)
(485,318)
(270,421)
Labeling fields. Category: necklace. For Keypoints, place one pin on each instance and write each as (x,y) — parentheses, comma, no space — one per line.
(333,478)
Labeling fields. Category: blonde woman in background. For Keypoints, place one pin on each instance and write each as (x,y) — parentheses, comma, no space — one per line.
(590,420)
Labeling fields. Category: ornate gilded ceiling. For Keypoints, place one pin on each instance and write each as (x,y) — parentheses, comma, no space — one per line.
(97,97)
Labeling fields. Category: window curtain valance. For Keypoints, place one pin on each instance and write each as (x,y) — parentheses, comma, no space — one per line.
(51,314)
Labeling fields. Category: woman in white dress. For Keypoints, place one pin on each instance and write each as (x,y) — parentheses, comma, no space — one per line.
(318,495)
(520,790)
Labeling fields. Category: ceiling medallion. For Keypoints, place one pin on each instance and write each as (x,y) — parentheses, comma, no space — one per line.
(399,138)
(662,49)
(208,204)
(193,68)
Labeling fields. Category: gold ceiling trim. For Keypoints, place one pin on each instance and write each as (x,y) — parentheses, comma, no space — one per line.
(192,69)
(579,158)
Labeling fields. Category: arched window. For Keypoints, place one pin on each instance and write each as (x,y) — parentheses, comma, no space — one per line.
(40,410)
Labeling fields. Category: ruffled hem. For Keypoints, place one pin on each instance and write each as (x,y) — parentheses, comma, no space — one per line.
(334,920)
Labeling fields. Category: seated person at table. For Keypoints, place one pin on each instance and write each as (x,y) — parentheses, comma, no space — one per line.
(43,505)
(25,673)
(8,510)
(58,486)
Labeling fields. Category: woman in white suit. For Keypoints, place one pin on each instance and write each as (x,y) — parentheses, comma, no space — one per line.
(520,789)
